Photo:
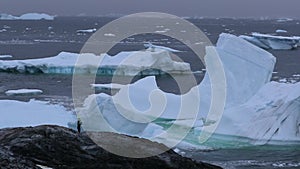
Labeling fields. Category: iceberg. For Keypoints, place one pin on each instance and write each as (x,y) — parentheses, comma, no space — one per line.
(125,63)
(87,30)
(266,41)
(23,92)
(257,111)
(7,17)
(36,16)
(28,16)
(5,56)
(281,31)
(33,113)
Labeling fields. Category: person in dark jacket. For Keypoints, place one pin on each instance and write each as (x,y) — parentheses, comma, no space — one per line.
(79,123)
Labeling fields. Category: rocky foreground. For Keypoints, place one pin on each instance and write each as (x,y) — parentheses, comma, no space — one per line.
(59,147)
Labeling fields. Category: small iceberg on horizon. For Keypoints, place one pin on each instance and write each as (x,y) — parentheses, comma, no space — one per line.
(27,16)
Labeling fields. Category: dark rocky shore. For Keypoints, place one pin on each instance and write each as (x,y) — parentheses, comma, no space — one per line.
(59,147)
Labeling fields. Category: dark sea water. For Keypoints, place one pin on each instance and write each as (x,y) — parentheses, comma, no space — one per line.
(39,39)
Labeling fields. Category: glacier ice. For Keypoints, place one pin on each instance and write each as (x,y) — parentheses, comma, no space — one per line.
(273,42)
(125,63)
(22,114)
(256,110)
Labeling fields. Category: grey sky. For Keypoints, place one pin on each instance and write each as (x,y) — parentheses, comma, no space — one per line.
(211,8)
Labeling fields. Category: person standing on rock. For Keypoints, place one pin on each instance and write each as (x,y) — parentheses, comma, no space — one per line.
(79,123)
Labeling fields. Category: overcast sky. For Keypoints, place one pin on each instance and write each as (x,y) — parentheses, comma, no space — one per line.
(211,8)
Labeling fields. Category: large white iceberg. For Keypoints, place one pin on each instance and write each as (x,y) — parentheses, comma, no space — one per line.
(28,16)
(273,42)
(125,63)
(257,111)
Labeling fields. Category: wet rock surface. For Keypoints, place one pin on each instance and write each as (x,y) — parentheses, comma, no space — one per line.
(59,147)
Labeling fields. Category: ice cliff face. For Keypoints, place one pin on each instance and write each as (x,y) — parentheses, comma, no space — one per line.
(263,112)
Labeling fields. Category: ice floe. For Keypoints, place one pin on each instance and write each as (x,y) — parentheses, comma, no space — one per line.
(87,30)
(281,31)
(5,56)
(273,42)
(23,92)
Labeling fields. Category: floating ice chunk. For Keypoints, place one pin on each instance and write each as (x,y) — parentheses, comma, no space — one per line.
(21,114)
(5,56)
(36,16)
(284,80)
(284,19)
(110,35)
(2,30)
(87,30)
(152,47)
(107,87)
(281,31)
(273,42)
(23,92)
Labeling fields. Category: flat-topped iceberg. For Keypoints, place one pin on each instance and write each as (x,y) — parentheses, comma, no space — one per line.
(273,42)
(28,16)
(23,92)
(257,111)
(125,63)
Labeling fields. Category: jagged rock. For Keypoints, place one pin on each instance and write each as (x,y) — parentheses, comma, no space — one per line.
(59,147)
(10,161)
